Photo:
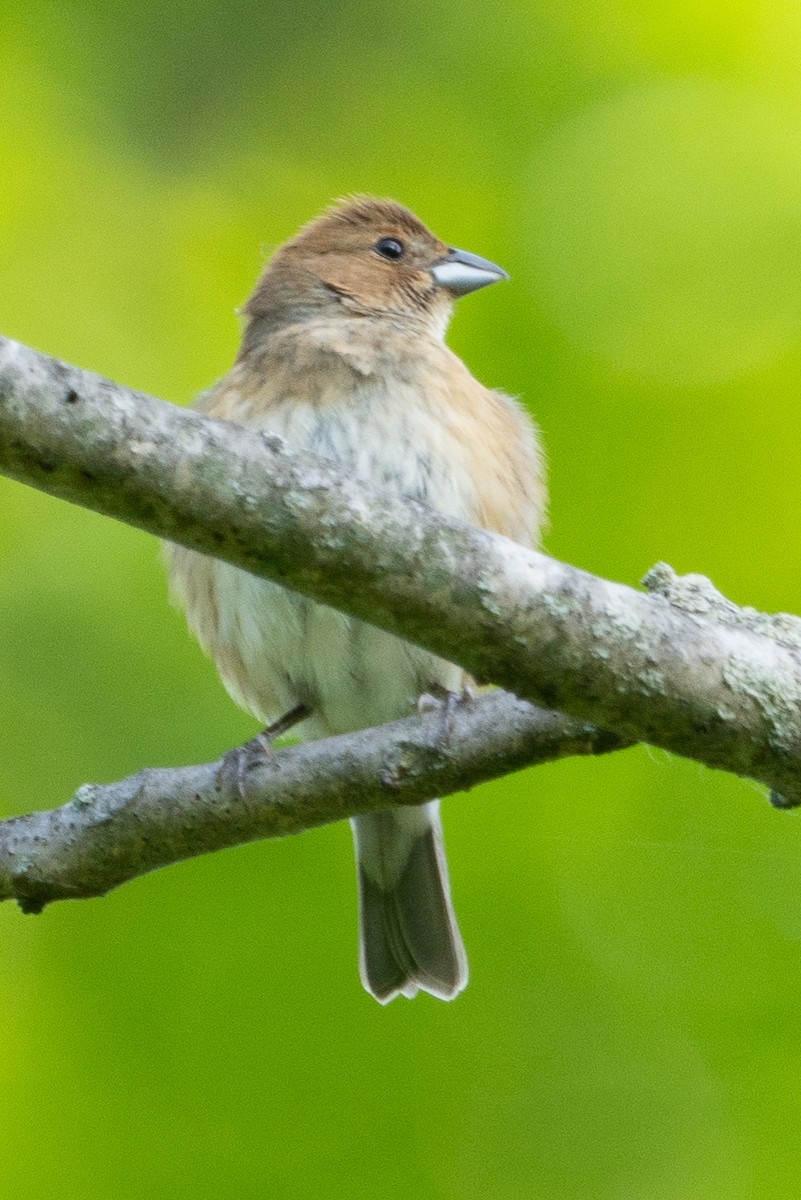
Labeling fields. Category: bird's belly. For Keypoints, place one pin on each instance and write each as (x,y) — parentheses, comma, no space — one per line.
(275,648)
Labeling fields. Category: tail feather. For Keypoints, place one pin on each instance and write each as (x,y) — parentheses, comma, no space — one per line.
(410,940)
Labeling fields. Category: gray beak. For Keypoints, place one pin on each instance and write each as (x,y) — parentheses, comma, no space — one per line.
(462,272)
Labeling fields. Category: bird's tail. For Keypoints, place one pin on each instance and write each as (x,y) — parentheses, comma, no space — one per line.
(409,938)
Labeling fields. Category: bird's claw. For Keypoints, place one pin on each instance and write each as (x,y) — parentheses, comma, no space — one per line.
(237,763)
(258,751)
(447,702)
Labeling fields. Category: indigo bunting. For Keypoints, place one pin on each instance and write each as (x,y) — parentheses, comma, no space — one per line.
(343,354)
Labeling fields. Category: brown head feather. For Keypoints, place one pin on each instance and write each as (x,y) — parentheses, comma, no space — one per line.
(363,210)
(332,266)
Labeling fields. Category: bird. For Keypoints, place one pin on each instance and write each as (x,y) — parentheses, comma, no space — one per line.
(343,354)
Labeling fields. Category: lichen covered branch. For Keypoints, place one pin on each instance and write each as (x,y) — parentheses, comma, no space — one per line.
(108,834)
(687,678)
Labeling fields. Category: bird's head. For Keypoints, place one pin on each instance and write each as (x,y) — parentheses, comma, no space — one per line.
(367,258)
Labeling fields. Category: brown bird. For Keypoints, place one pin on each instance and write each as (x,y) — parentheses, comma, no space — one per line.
(343,355)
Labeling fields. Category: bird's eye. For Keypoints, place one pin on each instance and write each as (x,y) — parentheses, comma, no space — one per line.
(390,248)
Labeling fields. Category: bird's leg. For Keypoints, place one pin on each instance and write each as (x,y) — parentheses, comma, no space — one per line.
(283,725)
(240,760)
(441,699)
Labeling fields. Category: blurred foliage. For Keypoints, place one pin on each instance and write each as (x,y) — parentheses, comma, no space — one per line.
(634,924)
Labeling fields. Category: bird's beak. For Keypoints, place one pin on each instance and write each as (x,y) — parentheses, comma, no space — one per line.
(461,272)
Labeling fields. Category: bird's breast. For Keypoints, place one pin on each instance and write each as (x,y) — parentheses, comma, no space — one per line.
(425,430)
(387,436)
(274,648)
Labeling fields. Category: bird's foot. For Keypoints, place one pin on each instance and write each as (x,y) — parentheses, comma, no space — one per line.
(440,699)
(238,762)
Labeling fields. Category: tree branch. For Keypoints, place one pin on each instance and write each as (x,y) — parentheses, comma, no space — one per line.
(108,834)
(648,667)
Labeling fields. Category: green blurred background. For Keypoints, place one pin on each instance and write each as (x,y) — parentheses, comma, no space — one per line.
(633,924)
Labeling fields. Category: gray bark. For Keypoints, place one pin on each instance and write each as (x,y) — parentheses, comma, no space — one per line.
(681,668)
(110,833)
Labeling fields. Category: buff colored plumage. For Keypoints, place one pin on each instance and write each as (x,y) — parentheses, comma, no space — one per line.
(343,355)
